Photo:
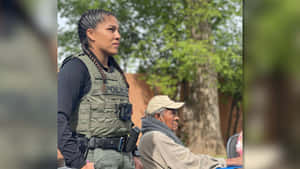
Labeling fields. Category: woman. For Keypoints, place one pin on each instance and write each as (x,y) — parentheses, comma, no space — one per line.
(93,106)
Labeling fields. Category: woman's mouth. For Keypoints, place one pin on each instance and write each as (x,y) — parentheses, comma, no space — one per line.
(116,44)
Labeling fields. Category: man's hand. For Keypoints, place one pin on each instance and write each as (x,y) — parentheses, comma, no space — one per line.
(235,161)
(138,163)
(88,165)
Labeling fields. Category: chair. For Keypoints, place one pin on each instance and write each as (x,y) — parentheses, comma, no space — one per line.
(231,146)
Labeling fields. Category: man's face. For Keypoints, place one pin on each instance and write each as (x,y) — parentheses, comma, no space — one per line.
(170,118)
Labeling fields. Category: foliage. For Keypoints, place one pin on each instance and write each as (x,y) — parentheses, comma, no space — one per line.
(174,55)
(72,10)
(159,35)
(276,49)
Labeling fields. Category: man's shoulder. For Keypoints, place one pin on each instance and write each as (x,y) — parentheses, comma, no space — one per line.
(155,137)
(154,134)
(151,140)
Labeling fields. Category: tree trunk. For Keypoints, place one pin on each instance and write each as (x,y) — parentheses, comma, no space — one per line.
(237,119)
(201,128)
(201,115)
(233,104)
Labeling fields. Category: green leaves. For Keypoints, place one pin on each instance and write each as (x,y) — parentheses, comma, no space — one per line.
(158,34)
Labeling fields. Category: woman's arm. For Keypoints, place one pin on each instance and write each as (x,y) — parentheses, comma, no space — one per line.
(71,84)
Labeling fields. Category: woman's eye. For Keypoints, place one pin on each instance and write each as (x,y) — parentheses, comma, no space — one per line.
(112,29)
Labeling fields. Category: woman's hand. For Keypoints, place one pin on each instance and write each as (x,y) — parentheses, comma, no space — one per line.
(88,165)
(59,155)
(138,163)
(60,159)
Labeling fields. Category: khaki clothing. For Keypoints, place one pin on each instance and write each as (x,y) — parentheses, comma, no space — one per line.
(158,151)
(110,159)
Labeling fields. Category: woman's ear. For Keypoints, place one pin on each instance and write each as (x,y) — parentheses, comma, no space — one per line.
(90,34)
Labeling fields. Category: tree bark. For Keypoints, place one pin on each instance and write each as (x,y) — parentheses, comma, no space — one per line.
(233,103)
(201,115)
(237,119)
(201,118)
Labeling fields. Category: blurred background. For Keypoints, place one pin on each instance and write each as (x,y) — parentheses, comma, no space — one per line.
(28,84)
(272,79)
(260,66)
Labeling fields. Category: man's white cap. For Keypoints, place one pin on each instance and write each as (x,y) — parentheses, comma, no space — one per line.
(162,101)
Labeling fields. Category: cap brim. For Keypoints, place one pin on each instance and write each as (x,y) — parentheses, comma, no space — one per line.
(177,105)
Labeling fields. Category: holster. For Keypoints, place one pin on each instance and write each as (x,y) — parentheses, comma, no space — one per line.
(83,145)
(132,139)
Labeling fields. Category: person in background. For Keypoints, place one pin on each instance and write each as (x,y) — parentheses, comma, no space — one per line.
(239,144)
(160,148)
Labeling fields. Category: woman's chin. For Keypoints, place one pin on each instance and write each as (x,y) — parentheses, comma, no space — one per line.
(113,52)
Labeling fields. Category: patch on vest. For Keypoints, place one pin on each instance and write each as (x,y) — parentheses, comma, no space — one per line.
(117,91)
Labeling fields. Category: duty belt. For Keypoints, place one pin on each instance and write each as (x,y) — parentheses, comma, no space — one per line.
(115,143)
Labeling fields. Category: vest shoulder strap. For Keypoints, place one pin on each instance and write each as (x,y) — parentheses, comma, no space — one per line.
(66,60)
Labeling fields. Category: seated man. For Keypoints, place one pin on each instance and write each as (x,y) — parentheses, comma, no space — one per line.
(160,148)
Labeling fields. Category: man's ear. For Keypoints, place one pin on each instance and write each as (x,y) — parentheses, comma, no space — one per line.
(90,33)
(157,116)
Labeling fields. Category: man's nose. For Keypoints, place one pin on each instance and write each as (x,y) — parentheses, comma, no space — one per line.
(176,118)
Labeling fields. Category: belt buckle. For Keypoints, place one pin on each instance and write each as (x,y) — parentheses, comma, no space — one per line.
(92,143)
(121,144)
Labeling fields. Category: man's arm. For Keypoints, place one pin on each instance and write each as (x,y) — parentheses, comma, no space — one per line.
(238,161)
(178,156)
(137,163)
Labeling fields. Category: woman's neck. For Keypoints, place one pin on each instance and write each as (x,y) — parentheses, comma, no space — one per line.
(101,57)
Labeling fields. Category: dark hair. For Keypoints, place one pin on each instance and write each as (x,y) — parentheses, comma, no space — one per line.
(90,19)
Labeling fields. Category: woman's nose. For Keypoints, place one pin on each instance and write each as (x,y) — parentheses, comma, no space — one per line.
(117,35)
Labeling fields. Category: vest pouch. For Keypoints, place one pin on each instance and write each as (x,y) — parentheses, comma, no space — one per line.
(84,116)
(98,107)
(124,111)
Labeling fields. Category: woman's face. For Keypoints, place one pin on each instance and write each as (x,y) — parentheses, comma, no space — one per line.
(105,37)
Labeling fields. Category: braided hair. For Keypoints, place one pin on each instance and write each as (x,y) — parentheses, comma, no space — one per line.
(90,19)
